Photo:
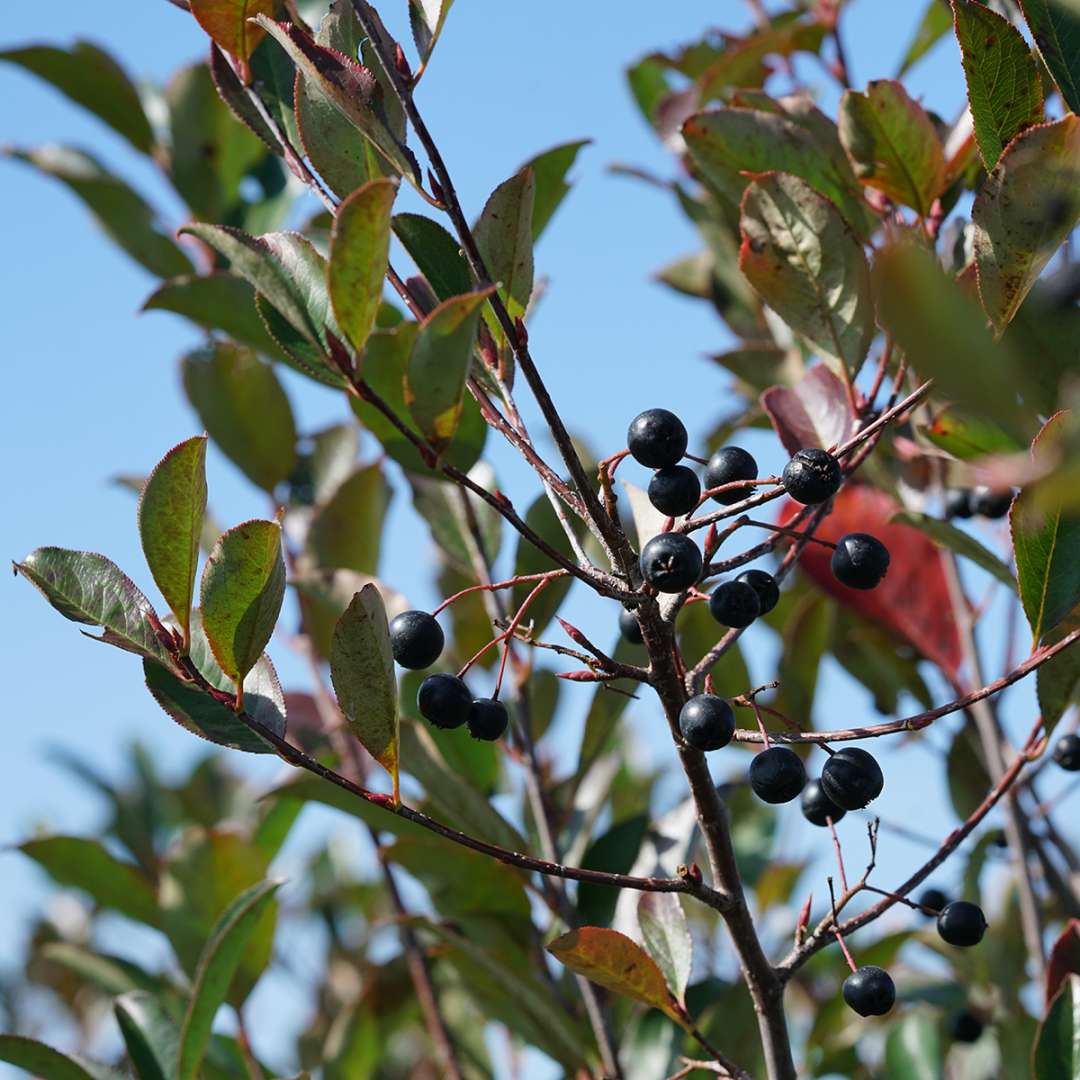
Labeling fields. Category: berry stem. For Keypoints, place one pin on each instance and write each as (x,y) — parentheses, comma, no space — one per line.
(509,583)
(837,931)
(839,853)
(509,631)
(913,904)
(797,534)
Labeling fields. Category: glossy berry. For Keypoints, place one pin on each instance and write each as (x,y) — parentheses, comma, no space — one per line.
(657,438)
(812,476)
(734,603)
(961,923)
(675,490)
(764,584)
(991,504)
(487,719)
(416,639)
(629,628)
(852,778)
(728,464)
(860,561)
(670,562)
(958,504)
(935,900)
(777,775)
(965,1026)
(1067,752)
(870,991)
(444,700)
(817,807)
(707,722)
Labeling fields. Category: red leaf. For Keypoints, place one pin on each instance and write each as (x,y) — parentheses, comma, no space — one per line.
(814,412)
(1064,959)
(913,601)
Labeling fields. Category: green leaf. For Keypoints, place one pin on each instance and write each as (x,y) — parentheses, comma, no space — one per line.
(217,301)
(233,92)
(1055,26)
(273,78)
(893,144)
(87,588)
(1004,87)
(1056,1054)
(439,367)
(504,236)
(613,852)
(346,532)
(362,671)
(649,86)
(1024,212)
(967,776)
(427,17)
(217,966)
(805,262)
(968,437)
(76,862)
(913,1050)
(936,22)
(110,974)
(170,515)
(442,504)
(436,253)
(667,938)
(90,77)
(243,406)
(945,534)
(126,217)
(229,23)
(42,1061)
(540,517)
(1057,680)
(151,1035)
(332,459)
(549,171)
(359,248)
(243,585)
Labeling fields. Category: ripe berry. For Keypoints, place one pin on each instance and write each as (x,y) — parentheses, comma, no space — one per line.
(675,490)
(728,464)
(629,628)
(958,504)
(670,562)
(487,719)
(935,900)
(416,639)
(860,561)
(817,807)
(870,991)
(444,700)
(734,603)
(707,722)
(812,476)
(852,778)
(1067,752)
(965,1026)
(961,923)
(764,584)
(657,438)
(777,775)
(991,504)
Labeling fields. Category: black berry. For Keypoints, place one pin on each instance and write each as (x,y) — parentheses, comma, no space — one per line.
(777,775)
(728,464)
(817,807)
(629,628)
(935,900)
(812,476)
(1067,752)
(961,923)
(707,722)
(990,504)
(444,700)
(416,639)
(860,561)
(487,719)
(965,1026)
(870,991)
(764,584)
(734,603)
(958,504)
(675,490)
(670,562)
(852,778)
(657,438)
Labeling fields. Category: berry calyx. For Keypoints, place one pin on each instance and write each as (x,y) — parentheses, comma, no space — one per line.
(1067,753)
(671,562)
(860,561)
(817,807)
(777,775)
(734,603)
(707,722)
(764,584)
(965,1026)
(870,991)
(991,504)
(487,719)
(444,700)
(852,778)
(416,639)
(629,627)
(812,476)
(675,490)
(958,503)
(728,464)
(961,923)
(935,900)
(656,438)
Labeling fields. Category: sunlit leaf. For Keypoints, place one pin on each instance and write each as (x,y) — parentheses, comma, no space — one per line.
(1056,1055)
(667,938)
(229,23)
(1055,26)
(504,236)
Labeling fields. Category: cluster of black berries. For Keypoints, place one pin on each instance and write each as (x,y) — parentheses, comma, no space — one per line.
(444,700)
(657,439)
(977,502)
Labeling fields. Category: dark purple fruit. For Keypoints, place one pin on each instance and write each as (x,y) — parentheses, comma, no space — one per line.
(444,700)
(812,476)
(674,491)
(935,900)
(852,778)
(657,438)
(487,719)
(1067,753)
(728,464)
(965,1026)
(958,503)
(870,991)
(860,561)
(817,807)
(777,775)
(961,923)
(416,639)
(707,722)
(991,504)
(629,627)
(734,603)
(671,562)
(764,584)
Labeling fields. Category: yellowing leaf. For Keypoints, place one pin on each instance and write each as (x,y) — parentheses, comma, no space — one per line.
(226,21)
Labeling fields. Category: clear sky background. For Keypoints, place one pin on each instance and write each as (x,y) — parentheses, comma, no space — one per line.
(91,387)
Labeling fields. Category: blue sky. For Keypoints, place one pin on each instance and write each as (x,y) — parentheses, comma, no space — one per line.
(91,388)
